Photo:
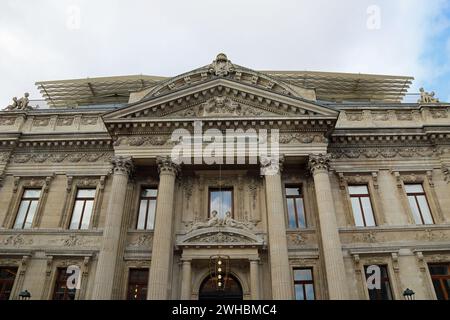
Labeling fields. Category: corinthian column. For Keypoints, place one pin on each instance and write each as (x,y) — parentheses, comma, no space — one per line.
(107,259)
(162,251)
(331,243)
(278,252)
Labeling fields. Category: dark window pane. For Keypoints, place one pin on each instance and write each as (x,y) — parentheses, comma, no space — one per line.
(440,275)
(61,291)
(137,284)
(7,277)
(384,293)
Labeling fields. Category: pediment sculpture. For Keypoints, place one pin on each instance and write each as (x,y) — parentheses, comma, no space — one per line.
(227,221)
(20,104)
(427,97)
(221,67)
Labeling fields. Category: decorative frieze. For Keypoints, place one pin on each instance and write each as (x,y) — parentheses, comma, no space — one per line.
(60,157)
(302,138)
(382,153)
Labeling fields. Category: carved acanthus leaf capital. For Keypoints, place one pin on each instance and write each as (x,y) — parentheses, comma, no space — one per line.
(271,165)
(319,162)
(167,165)
(122,165)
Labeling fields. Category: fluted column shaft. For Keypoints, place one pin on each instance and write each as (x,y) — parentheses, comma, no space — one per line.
(278,251)
(107,259)
(254,279)
(186,280)
(331,243)
(160,268)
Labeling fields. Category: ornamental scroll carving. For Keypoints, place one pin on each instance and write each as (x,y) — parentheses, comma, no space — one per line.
(16,241)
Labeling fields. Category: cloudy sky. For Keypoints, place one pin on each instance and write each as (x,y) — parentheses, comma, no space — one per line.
(49,40)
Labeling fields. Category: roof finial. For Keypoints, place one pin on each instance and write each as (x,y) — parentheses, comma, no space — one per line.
(221,67)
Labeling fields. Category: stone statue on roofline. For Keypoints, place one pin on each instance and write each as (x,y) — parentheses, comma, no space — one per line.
(426,97)
(21,104)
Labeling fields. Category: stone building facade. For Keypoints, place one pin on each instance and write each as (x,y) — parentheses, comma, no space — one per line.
(88,182)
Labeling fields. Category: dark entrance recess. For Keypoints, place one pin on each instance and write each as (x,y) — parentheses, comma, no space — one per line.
(233,290)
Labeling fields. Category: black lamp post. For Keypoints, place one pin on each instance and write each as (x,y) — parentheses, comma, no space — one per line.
(408,294)
(25,295)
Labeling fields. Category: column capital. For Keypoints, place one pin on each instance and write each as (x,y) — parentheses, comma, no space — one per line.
(122,165)
(271,166)
(167,165)
(319,162)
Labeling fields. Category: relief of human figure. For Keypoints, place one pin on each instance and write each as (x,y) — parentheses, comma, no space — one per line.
(214,220)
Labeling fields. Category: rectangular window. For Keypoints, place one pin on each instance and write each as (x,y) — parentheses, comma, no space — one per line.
(147,209)
(440,275)
(221,201)
(384,291)
(295,207)
(61,292)
(362,206)
(7,277)
(27,209)
(304,284)
(137,284)
(82,209)
(419,204)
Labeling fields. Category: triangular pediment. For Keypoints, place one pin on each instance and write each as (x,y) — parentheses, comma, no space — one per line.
(221,98)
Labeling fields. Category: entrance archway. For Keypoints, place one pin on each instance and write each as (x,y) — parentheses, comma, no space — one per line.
(233,290)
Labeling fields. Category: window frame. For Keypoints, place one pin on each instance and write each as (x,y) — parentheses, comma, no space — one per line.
(3,282)
(301,196)
(440,278)
(304,282)
(74,202)
(415,195)
(129,283)
(31,199)
(61,272)
(359,196)
(148,199)
(385,279)
(215,189)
